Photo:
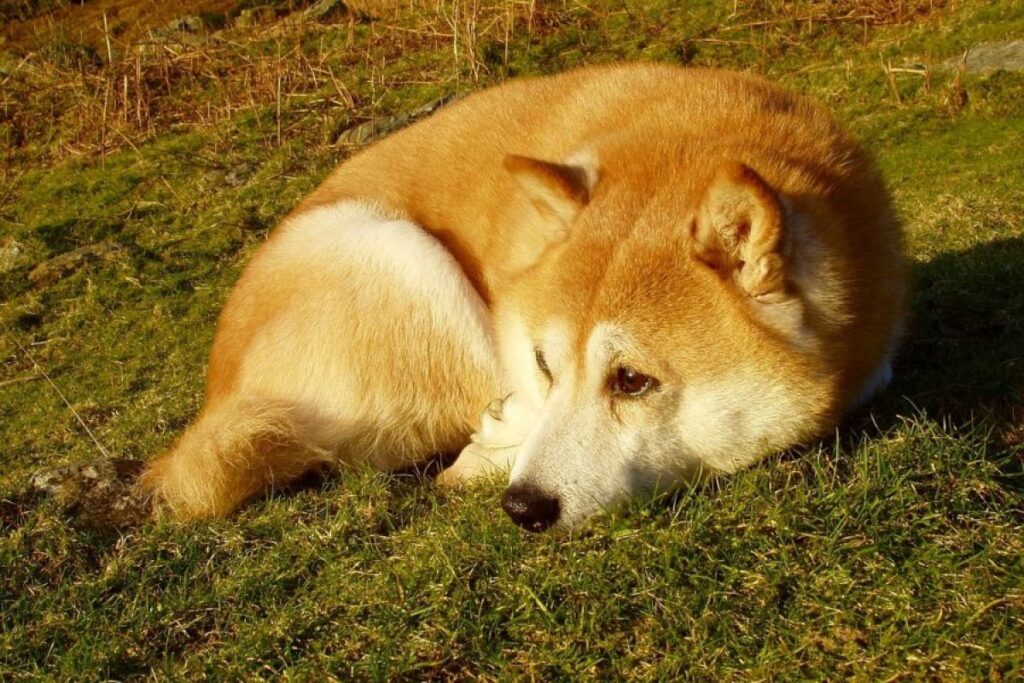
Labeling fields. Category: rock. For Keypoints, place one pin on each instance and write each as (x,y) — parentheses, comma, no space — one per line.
(987,57)
(371,130)
(187,30)
(101,493)
(59,267)
(255,16)
(324,9)
(10,253)
(187,24)
(361,134)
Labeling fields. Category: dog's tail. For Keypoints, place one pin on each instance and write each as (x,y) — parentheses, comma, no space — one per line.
(237,448)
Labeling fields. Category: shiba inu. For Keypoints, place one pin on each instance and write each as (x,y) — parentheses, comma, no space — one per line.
(605,283)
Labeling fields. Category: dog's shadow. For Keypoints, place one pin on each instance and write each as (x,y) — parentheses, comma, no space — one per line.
(963,358)
(962,361)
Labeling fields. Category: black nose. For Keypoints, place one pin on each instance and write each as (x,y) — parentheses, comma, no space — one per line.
(530,508)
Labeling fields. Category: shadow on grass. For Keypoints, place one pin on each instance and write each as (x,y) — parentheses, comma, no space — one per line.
(962,362)
(965,353)
(963,358)
(410,493)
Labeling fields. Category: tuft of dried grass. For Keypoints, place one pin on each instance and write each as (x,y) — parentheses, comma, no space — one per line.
(95,82)
(865,12)
(74,99)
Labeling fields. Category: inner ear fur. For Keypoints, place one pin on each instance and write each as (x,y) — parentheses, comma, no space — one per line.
(739,231)
(558,191)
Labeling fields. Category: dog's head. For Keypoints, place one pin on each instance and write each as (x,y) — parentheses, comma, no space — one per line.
(652,325)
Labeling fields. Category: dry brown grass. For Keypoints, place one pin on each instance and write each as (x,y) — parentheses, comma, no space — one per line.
(83,81)
(139,83)
(866,12)
(34,25)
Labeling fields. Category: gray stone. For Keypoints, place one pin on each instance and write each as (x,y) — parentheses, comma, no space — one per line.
(186,24)
(371,130)
(187,30)
(240,174)
(10,254)
(63,265)
(987,57)
(324,9)
(255,16)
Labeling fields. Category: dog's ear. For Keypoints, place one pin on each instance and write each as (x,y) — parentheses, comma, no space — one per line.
(557,191)
(739,231)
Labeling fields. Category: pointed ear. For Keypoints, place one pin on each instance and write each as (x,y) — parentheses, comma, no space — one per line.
(558,191)
(739,229)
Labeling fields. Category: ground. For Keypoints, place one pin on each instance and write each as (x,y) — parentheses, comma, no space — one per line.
(146,156)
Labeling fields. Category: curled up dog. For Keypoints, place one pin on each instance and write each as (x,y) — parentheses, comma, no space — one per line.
(603,283)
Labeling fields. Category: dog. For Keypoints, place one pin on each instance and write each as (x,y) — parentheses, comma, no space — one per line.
(604,283)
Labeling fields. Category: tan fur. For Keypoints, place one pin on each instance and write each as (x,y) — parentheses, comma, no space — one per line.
(716,231)
(234,451)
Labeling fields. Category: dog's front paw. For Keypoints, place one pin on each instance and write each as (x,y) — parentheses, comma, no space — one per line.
(475,462)
(503,427)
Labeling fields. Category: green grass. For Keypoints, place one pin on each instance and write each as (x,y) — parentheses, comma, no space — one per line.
(893,551)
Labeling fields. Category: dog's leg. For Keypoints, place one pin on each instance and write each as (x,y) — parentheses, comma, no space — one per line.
(504,426)
(352,338)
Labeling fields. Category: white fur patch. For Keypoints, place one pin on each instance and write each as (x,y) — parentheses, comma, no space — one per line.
(339,255)
(732,422)
(398,251)
(504,426)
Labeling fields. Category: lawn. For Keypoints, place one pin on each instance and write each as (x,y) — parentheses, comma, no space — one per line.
(143,162)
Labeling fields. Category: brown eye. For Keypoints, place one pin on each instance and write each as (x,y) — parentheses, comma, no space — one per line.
(542,364)
(629,382)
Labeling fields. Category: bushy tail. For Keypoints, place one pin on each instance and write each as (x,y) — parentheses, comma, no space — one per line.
(236,449)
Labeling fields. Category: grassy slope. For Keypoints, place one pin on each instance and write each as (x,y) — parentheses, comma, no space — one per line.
(894,549)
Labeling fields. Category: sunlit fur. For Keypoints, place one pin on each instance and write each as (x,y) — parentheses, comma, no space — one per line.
(705,228)
(305,370)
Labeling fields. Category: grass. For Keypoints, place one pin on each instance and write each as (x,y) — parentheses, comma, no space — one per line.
(893,551)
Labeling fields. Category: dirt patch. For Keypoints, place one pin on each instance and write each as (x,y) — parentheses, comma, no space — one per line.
(101,493)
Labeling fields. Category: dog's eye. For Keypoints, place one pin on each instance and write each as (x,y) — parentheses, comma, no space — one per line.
(542,364)
(629,382)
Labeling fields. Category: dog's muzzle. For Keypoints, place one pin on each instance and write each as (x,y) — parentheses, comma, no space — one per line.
(530,507)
